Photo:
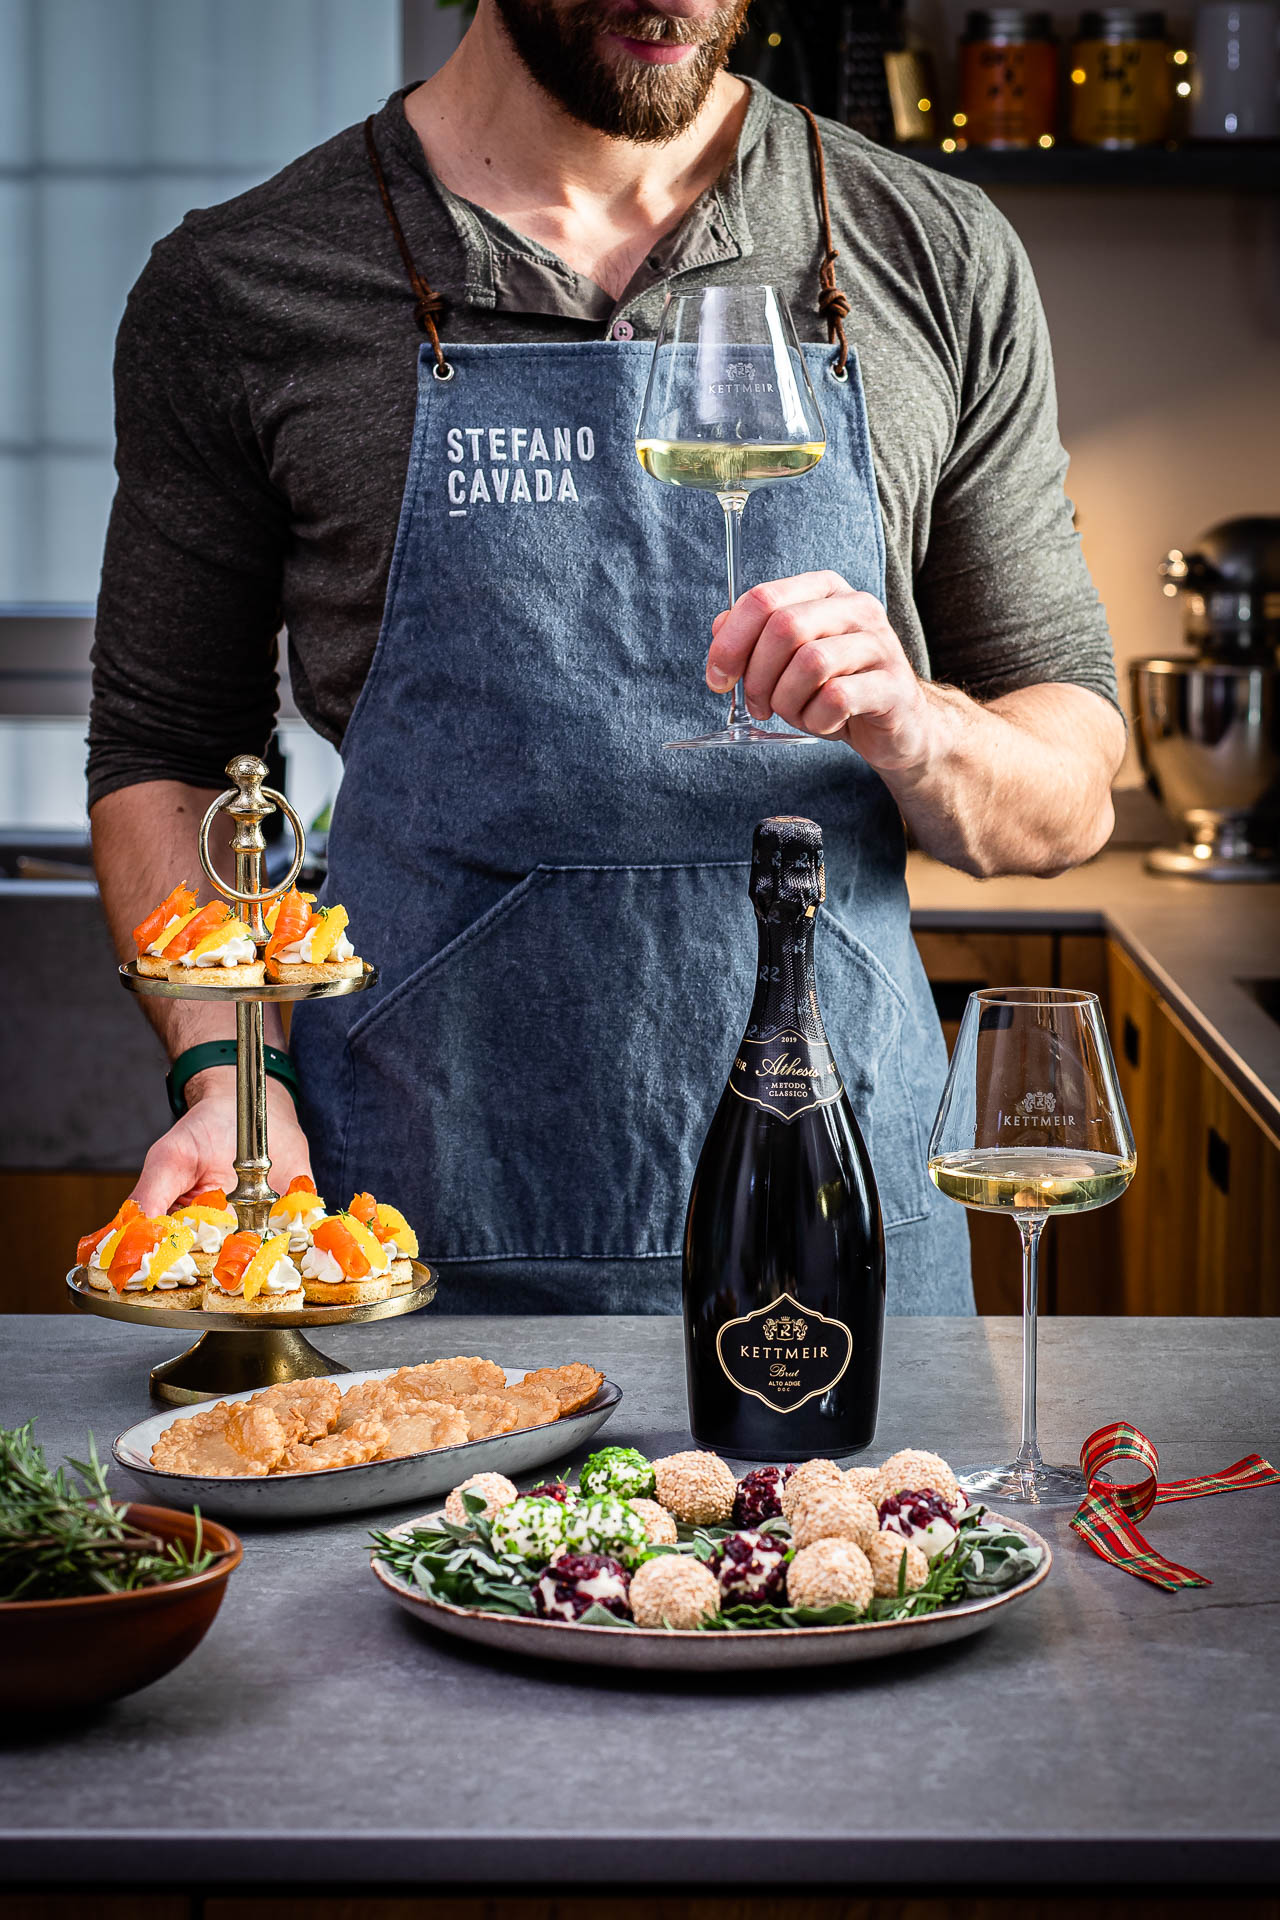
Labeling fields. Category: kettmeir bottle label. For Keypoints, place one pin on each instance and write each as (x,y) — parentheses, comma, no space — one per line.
(786,1074)
(784,1354)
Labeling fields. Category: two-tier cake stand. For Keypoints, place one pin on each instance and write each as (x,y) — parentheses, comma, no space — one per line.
(241,1351)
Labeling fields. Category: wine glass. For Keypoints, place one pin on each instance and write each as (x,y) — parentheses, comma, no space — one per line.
(1031,1123)
(728,408)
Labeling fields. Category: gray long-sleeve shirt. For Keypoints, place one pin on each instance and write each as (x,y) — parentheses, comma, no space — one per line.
(265,387)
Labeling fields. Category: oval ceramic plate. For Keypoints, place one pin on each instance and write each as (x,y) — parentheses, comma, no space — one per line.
(666,1650)
(379,1483)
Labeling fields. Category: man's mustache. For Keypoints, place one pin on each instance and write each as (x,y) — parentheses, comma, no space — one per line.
(669,29)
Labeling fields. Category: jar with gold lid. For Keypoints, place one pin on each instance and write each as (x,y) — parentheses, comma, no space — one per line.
(1009,78)
(1120,92)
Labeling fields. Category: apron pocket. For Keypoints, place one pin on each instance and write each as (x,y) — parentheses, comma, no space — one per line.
(540,1088)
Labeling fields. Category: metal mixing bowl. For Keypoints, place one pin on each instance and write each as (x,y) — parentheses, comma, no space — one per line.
(1209,740)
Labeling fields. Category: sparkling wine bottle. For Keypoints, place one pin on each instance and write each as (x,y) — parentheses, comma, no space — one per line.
(784,1244)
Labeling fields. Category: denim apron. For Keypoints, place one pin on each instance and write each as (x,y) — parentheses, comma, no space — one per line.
(558,908)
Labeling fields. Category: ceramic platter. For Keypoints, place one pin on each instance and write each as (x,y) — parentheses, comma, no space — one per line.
(665,1651)
(380,1483)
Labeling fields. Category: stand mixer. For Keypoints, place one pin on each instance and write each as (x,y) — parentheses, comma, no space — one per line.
(1208,723)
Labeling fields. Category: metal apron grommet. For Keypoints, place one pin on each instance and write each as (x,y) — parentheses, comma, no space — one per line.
(443,373)
(841,374)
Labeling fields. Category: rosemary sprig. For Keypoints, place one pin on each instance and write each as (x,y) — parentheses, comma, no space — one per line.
(63,1541)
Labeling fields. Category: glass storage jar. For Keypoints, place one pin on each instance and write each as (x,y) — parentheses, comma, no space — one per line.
(1121,94)
(1009,78)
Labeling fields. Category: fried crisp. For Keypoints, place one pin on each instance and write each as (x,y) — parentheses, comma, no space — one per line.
(575,1385)
(223,1441)
(446,1378)
(535,1406)
(367,1400)
(306,1408)
(361,1441)
(432,1424)
(487,1414)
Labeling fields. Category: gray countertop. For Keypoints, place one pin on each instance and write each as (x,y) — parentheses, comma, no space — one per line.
(1106,1731)
(1195,940)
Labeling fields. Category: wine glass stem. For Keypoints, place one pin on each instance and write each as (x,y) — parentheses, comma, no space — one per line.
(733,504)
(1030,1227)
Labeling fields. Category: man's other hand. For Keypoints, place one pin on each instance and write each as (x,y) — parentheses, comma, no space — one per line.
(199,1150)
(824,659)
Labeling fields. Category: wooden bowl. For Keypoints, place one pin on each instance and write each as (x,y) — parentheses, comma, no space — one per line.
(66,1654)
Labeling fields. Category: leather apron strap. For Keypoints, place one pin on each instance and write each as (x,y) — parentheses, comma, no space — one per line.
(833,305)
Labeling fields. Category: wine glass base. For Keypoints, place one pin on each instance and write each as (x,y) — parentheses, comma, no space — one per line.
(747,735)
(1024,1486)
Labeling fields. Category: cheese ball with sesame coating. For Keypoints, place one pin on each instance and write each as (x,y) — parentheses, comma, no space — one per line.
(917,1470)
(834,1512)
(495,1488)
(862,1480)
(830,1573)
(696,1487)
(806,1476)
(656,1521)
(886,1554)
(674,1591)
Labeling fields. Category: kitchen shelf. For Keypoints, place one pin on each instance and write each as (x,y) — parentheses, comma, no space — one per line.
(1207,169)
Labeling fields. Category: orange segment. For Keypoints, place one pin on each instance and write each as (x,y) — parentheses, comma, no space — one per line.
(332,923)
(255,1274)
(392,1225)
(178,1240)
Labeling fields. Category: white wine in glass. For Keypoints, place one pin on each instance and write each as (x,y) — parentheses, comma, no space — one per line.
(1031,1123)
(729,408)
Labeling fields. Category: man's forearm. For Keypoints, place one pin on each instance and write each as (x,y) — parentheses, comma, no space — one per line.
(1021,785)
(144,843)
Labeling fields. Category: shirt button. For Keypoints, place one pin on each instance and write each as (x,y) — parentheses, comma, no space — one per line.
(623,330)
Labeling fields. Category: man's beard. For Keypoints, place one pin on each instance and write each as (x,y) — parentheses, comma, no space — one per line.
(624,98)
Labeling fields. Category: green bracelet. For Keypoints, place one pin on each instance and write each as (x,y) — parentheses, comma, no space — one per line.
(222,1053)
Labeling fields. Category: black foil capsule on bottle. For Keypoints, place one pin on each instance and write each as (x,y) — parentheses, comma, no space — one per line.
(784,1244)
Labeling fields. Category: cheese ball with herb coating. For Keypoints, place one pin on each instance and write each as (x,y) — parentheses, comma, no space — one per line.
(885,1555)
(531,1529)
(830,1573)
(832,1511)
(674,1591)
(605,1526)
(495,1488)
(660,1528)
(696,1487)
(622,1471)
(809,1474)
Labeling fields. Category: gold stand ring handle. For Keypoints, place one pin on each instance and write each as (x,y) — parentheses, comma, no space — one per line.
(225,802)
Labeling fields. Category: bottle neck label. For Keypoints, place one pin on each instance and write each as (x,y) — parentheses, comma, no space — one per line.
(784,1354)
(783,1063)
(788,1074)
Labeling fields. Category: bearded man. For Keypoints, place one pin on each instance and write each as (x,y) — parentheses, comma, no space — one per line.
(391,397)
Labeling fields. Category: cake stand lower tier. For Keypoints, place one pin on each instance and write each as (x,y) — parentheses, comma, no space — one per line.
(243,1352)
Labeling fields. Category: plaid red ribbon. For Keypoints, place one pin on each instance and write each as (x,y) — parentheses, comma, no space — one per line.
(1105,1520)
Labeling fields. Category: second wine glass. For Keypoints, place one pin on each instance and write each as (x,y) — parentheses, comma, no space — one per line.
(729,408)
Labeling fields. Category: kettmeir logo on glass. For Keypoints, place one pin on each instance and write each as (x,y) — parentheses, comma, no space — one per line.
(783,1354)
(1038,1108)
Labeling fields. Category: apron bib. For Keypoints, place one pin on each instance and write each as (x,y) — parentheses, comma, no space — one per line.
(558,907)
